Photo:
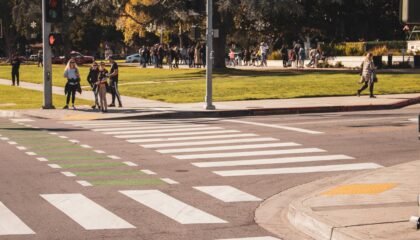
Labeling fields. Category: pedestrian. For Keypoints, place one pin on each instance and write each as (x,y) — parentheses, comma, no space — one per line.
(102,85)
(284,55)
(368,77)
(197,56)
(113,77)
(15,62)
(232,58)
(72,74)
(302,57)
(92,79)
(40,58)
(264,52)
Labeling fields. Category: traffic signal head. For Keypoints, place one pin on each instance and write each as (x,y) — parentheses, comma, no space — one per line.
(410,11)
(54,10)
(54,39)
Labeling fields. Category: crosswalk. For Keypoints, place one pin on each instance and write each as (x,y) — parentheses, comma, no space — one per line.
(209,146)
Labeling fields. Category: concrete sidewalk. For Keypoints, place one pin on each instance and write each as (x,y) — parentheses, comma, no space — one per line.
(143,108)
(373,205)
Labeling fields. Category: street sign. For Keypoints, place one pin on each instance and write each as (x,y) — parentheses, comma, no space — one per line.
(54,11)
(410,11)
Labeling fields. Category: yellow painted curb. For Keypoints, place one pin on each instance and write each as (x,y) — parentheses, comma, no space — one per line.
(355,189)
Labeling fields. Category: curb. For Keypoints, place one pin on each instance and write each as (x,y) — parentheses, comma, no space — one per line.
(272,111)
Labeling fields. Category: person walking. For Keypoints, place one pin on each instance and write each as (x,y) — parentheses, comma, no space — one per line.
(15,62)
(40,59)
(302,57)
(102,85)
(72,74)
(368,77)
(284,55)
(92,78)
(113,77)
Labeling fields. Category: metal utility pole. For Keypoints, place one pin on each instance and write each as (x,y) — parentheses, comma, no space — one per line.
(46,30)
(209,57)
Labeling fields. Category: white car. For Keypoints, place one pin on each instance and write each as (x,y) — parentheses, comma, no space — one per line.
(135,58)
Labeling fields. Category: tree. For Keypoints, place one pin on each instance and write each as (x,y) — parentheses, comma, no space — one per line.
(8,43)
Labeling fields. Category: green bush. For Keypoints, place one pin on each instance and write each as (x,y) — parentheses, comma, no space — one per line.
(360,48)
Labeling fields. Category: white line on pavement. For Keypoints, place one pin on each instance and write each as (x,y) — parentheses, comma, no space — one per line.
(228,194)
(275,171)
(413,120)
(99,151)
(55,166)
(177,134)
(41,159)
(253,238)
(214,142)
(113,157)
(234,147)
(164,130)
(85,212)
(171,207)
(12,143)
(84,183)
(85,146)
(10,224)
(21,120)
(31,153)
(130,164)
(63,137)
(68,174)
(148,128)
(148,172)
(276,126)
(4,138)
(271,161)
(22,148)
(169,181)
(245,154)
(225,136)
(74,141)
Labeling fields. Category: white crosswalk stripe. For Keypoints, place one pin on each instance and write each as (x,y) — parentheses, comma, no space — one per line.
(205,137)
(271,161)
(233,147)
(244,154)
(171,207)
(10,224)
(164,130)
(149,128)
(176,134)
(214,142)
(275,171)
(228,194)
(85,212)
(252,238)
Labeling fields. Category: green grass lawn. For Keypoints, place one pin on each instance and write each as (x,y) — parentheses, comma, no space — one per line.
(19,98)
(188,85)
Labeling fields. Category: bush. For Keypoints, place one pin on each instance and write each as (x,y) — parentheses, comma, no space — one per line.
(359,48)
(275,55)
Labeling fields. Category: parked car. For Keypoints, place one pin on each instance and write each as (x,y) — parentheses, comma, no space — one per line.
(78,57)
(135,58)
(33,57)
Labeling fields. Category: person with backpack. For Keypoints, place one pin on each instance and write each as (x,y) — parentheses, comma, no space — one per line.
(92,78)
(72,74)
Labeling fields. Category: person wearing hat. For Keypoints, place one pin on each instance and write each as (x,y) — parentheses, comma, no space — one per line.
(113,77)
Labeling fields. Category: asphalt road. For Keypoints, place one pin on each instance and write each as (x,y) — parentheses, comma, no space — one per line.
(180,179)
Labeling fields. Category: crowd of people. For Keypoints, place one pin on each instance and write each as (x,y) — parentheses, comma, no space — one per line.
(194,56)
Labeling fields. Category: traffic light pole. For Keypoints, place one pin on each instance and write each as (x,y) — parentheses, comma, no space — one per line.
(46,29)
(209,57)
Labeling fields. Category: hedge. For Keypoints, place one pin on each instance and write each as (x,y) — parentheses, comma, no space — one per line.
(360,48)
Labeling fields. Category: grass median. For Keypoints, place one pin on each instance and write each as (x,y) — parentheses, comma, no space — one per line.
(188,85)
(19,98)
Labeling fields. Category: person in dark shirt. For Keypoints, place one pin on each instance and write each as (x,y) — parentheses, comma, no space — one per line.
(113,77)
(92,79)
(15,62)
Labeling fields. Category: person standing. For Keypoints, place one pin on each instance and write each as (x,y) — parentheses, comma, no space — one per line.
(73,82)
(15,62)
(264,53)
(113,77)
(92,78)
(368,75)
(284,55)
(102,84)
(302,57)
(40,58)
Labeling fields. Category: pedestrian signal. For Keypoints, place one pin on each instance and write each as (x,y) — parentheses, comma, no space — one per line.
(54,39)
(54,11)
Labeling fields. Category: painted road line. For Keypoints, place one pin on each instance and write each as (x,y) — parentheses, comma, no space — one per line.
(91,165)
(233,147)
(53,133)
(275,171)
(31,153)
(85,146)
(63,137)
(74,141)
(130,164)
(10,224)
(12,143)
(246,154)
(149,128)
(271,161)
(22,148)
(148,172)
(41,159)
(225,136)
(113,157)
(86,212)
(169,181)
(177,134)
(116,124)
(84,183)
(253,238)
(198,143)
(228,194)
(68,174)
(55,166)
(276,126)
(98,173)
(163,131)
(413,120)
(99,151)
(171,207)
(21,120)
(4,138)
(128,182)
